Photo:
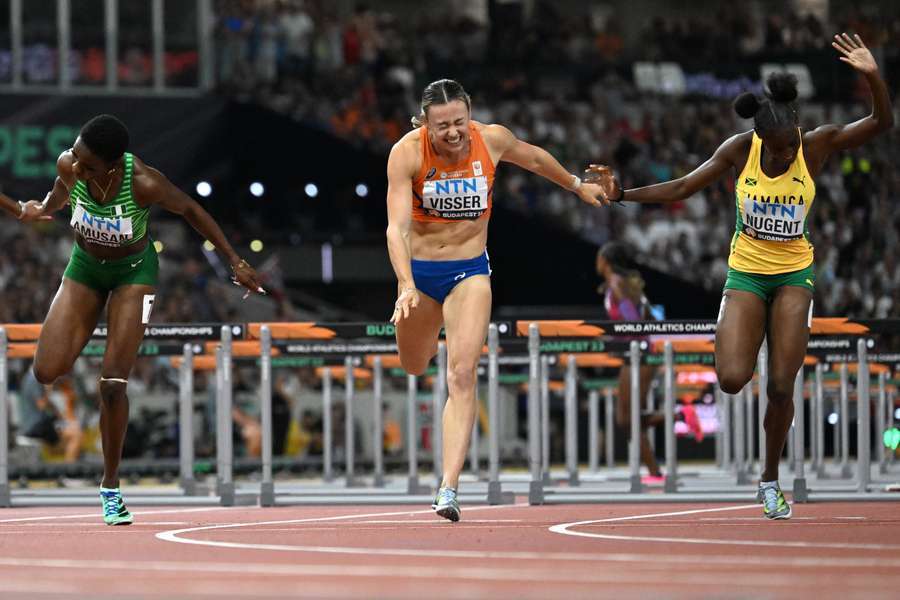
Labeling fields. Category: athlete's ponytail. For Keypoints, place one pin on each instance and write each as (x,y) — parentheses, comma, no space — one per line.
(777,110)
(442,91)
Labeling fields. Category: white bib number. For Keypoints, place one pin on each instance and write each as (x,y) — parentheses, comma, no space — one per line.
(100,230)
(773,222)
(464,198)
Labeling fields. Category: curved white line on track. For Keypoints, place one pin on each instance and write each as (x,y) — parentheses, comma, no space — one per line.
(618,557)
(98,515)
(175,536)
(566,529)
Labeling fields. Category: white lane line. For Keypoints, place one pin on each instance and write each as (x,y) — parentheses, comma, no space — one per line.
(97,522)
(566,529)
(434,521)
(635,575)
(136,513)
(812,562)
(383,528)
(756,519)
(174,535)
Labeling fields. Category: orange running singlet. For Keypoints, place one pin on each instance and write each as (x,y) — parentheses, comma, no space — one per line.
(444,192)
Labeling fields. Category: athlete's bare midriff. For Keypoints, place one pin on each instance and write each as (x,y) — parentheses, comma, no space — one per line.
(448,241)
(101,252)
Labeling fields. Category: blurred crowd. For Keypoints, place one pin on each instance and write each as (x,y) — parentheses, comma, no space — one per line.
(558,79)
(359,77)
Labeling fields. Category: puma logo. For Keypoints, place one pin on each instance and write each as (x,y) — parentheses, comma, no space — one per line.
(800,181)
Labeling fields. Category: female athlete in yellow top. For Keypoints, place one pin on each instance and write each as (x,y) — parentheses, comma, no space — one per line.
(768,292)
(440,192)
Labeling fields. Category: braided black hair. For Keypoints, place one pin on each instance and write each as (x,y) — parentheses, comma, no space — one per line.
(777,110)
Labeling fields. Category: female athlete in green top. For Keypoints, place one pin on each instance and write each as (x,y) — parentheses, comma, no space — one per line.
(113,262)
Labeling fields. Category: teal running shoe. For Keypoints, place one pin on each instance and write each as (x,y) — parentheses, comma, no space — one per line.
(774,504)
(114,510)
(446,504)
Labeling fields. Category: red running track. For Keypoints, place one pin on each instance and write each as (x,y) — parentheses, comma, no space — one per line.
(849,550)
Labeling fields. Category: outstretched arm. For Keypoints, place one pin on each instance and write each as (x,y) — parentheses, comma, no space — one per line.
(152,187)
(56,198)
(400,171)
(539,161)
(831,138)
(8,205)
(725,157)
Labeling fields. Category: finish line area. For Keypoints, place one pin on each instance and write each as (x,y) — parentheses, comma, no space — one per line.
(583,551)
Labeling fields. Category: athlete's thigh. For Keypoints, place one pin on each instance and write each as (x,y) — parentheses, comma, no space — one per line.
(467,312)
(71,320)
(127,315)
(417,334)
(789,322)
(739,333)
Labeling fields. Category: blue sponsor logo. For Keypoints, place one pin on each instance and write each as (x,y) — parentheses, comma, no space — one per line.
(100,223)
(775,210)
(456,186)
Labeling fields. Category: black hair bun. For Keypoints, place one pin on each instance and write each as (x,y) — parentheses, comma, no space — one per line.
(746,105)
(782,86)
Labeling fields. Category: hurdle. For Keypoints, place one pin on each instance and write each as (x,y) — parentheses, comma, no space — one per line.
(413,493)
(735,452)
(157,342)
(742,408)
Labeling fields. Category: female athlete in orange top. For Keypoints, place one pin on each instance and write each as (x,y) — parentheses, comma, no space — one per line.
(440,190)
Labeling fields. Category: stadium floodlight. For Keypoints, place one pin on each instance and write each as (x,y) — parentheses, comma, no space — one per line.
(257,189)
(362,190)
(311,189)
(204,189)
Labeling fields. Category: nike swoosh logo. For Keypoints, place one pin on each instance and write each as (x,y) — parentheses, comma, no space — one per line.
(460,276)
(133,265)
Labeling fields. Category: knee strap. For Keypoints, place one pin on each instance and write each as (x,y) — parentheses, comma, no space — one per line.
(113,380)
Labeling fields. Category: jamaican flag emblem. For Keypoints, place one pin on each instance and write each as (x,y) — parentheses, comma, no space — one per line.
(749,181)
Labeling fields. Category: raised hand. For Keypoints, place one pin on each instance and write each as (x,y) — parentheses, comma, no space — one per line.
(606,179)
(855,53)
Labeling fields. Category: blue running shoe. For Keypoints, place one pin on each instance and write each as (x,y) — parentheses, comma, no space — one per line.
(446,504)
(114,511)
(774,504)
